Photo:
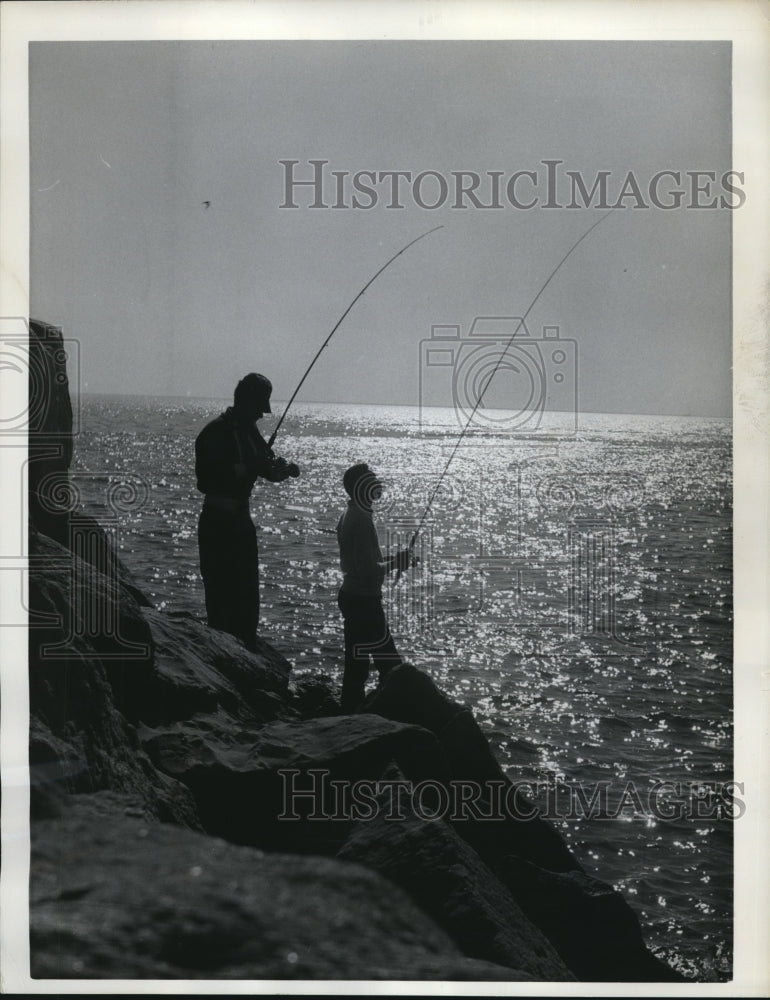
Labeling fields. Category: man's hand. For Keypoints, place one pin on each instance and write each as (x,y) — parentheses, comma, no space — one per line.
(288,470)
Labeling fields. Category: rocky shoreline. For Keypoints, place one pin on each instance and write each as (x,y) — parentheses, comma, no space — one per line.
(161,752)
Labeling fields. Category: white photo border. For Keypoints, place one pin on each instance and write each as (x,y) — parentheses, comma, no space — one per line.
(744,22)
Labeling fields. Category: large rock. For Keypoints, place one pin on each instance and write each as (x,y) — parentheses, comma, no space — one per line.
(313,698)
(591,926)
(198,669)
(448,880)
(409,695)
(79,739)
(98,754)
(98,663)
(244,780)
(90,603)
(115,896)
(49,427)
(53,506)
(82,621)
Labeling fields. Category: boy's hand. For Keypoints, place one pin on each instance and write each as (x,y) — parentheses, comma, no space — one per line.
(403,560)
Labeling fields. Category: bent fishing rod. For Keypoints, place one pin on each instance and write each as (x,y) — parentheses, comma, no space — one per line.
(469,421)
(338,324)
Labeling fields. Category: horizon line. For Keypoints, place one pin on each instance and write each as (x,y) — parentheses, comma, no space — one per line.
(332,402)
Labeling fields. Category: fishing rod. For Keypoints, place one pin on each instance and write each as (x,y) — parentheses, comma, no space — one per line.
(337,325)
(417,530)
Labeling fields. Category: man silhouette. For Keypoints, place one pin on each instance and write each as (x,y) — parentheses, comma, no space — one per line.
(230,455)
(360,596)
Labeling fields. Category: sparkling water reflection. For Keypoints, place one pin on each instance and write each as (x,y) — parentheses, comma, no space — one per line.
(577,595)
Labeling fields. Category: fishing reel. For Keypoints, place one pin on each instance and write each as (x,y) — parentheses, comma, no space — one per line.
(290,468)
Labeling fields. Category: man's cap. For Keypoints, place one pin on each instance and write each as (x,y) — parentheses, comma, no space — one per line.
(256,387)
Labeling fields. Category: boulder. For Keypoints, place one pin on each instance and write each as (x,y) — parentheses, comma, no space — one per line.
(82,621)
(52,496)
(80,671)
(49,425)
(198,669)
(114,895)
(448,881)
(100,754)
(409,695)
(244,780)
(313,698)
(592,927)
(98,663)
(54,768)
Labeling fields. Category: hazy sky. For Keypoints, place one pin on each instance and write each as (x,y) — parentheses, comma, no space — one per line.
(169,295)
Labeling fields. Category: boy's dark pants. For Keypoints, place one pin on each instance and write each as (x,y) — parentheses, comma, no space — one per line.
(366,635)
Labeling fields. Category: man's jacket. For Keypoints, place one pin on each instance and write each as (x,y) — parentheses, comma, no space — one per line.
(223,445)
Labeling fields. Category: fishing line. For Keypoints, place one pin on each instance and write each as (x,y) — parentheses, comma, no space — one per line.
(338,323)
(486,386)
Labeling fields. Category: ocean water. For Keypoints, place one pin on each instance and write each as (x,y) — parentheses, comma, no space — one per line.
(574,591)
